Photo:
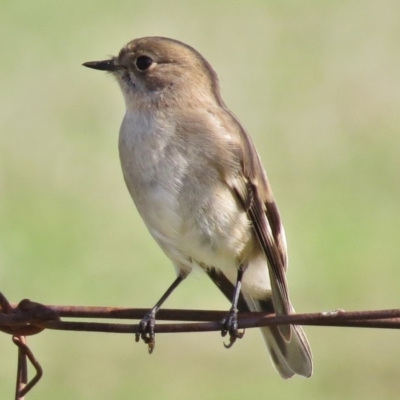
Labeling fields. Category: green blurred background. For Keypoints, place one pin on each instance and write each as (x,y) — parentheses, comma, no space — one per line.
(317,84)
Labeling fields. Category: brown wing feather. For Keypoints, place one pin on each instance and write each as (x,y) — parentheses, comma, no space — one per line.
(253,189)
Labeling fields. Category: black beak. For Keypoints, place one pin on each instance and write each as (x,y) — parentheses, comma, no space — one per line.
(105,65)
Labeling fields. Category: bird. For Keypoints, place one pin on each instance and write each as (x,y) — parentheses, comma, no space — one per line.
(200,187)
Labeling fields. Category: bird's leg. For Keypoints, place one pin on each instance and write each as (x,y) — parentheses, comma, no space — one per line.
(229,323)
(146,325)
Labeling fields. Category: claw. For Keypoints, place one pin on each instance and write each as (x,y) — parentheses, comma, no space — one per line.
(146,331)
(230,325)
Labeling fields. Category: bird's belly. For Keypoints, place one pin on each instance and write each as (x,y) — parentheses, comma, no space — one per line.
(210,232)
(215,231)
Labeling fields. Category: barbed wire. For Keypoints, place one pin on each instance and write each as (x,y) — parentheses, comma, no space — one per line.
(30,318)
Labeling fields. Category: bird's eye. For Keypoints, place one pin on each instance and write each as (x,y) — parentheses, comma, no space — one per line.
(143,63)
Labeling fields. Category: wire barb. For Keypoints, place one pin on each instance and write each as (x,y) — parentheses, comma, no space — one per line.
(24,353)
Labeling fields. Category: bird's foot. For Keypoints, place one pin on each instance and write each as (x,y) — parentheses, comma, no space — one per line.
(146,331)
(230,325)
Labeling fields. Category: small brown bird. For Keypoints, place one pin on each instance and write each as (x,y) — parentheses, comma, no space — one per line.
(199,185)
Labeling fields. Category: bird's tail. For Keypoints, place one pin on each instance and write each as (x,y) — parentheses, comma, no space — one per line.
(289,348)
(290,355)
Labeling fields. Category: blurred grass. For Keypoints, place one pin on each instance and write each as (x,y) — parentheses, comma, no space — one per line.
(317,85)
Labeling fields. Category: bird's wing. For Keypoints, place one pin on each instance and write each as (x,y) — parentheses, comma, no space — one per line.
(252,188)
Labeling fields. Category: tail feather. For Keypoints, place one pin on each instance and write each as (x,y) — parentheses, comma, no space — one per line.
(292,356)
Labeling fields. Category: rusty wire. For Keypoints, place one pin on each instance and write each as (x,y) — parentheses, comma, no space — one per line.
(29,318)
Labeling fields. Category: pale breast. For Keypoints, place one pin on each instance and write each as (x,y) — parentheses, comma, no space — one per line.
(151,178)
